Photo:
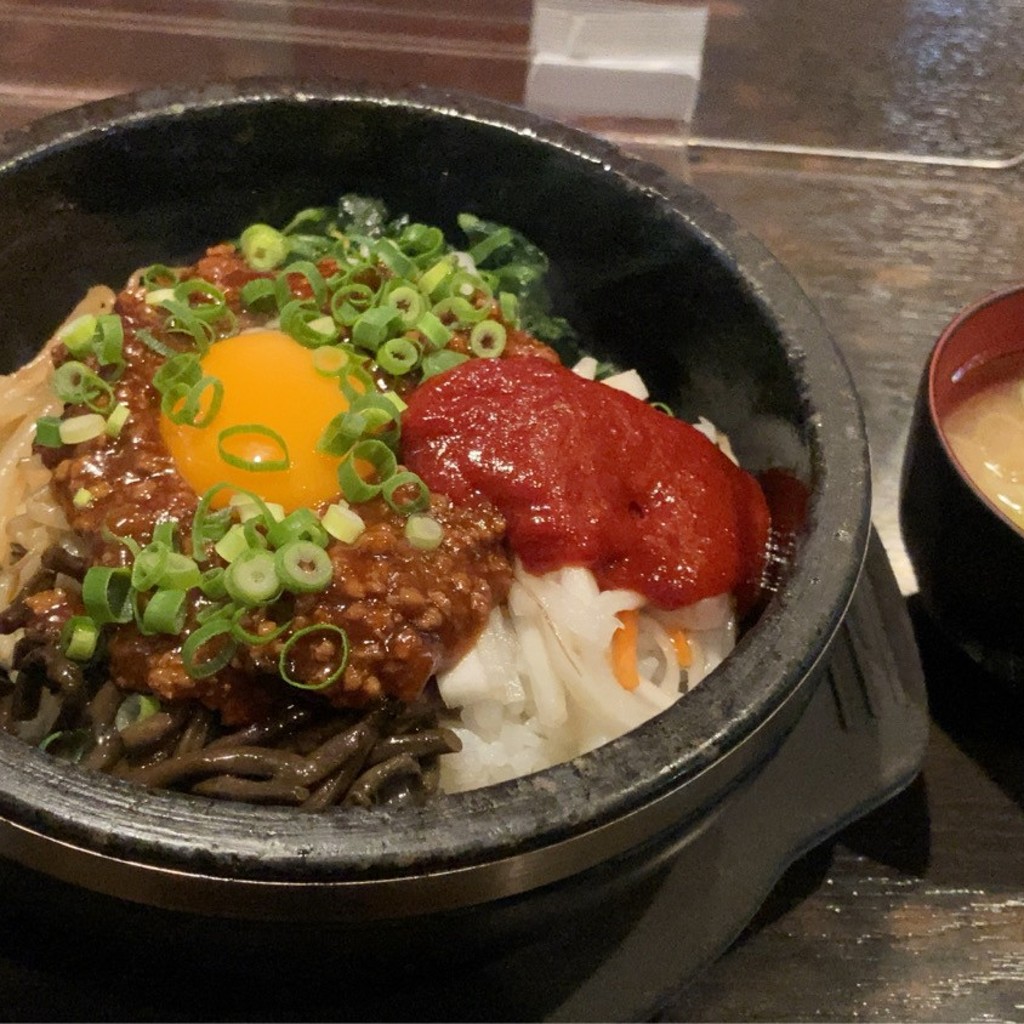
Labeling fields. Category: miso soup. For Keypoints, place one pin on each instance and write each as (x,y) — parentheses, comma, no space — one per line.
(985,431)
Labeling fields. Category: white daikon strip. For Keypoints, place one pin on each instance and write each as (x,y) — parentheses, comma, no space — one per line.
(629,381)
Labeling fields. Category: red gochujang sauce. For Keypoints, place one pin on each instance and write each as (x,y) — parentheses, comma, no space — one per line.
(587,475)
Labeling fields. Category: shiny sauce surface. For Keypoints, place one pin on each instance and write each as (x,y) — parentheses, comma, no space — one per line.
(587,475)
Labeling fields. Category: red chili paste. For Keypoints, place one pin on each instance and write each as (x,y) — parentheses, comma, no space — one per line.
(587,475)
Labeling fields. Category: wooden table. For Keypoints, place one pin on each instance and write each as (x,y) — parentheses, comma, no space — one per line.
(871,145)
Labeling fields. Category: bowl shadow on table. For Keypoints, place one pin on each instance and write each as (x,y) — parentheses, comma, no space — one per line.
(68,953)
(980,713)
(896,835)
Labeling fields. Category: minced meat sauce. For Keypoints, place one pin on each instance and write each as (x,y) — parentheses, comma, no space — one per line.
(407,612)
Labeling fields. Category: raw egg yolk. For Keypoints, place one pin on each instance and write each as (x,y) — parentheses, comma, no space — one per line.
(269,379)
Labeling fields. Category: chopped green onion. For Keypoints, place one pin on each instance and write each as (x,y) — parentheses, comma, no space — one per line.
(183,319)
(458,311)
(78,638)
(244,636)
(136,707)
(369,417)
(163,532)
(233,543)
(129,542)
(75,383)
(258,294)
(253,535)
(109,342)
(422,241)
(248,506)
(251,579)
(219,610)
(432,280)
(161,348)
(508,304)
(148,567)
(324,325)
(469,286)
(211,583)
(389,254)
(82,498)
(184,405)
(78,334)
(417,494)
(343,431)
(181,368)
(408,302)
(158,295)
(343,523)
(382,417)
(489,244)
(165,612)
(136,599)
(375,326)
(117,419)
(263,247)
(423,532)
(303,567)
(355,381)
(302,524)
(180,572)
(350,302)
(314,279)
(208,525)
(434,332)
(69,744)
(212,305)
(354,266)
(82,428)
(304,322)
(434,363)
(397,356)
(256,464)
(330,360)
(381,459)
(312,247)
(335,675)
(396,401)
(48,432)
(196,641)
(228,325)
(487,339)
(106,594)
(158,276)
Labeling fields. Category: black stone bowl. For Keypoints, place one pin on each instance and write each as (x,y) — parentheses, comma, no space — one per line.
(649,271)
(968,555)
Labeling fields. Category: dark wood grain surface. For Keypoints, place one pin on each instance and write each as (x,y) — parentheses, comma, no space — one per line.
(915,913)
(916,77)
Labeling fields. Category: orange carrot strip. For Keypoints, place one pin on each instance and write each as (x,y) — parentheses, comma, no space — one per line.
(624,650)
(681,645)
